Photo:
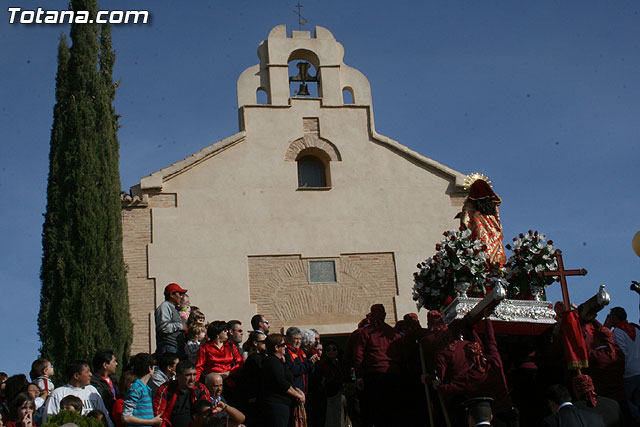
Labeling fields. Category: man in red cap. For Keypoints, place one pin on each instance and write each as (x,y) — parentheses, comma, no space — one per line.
(375,358)
(169,326)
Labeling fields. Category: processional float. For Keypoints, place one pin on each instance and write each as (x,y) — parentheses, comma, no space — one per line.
(470,278)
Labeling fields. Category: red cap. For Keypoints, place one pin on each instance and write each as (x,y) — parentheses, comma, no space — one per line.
(173,287)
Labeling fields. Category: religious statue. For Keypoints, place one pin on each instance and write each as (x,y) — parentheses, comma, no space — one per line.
(480,214)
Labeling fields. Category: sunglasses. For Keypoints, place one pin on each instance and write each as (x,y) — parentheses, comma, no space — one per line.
(281,345)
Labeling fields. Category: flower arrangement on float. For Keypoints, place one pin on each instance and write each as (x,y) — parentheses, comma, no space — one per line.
(532,254)
(459,267)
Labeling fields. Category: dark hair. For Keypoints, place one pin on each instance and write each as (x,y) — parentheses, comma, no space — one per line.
(75,367)
(74,401)
(255,321)
(14,385)
(37,368)
(558,394)
(183,365)
(619,312)
(486,206)
(98,415)
(249,343)
(232,324)
(18,401)
(140,364)
(272,341)
(126,379)
(326,346)
(215,328)
(102,356)
(167,359)
(199,406)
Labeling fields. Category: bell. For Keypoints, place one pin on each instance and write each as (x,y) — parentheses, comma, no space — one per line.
(303,73)
(303,90)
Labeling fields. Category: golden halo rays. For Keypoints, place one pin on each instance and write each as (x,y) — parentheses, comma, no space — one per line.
(470,179)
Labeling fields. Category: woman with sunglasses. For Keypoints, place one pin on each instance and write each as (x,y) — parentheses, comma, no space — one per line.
(249,382)
(277,393)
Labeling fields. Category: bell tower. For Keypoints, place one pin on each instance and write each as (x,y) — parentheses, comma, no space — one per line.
(321,52)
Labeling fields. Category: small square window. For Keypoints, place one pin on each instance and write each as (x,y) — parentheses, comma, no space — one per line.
(322,272)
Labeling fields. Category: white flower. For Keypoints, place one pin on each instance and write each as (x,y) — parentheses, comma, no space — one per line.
(466,233)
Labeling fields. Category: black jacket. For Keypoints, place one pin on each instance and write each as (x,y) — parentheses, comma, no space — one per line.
(571,416)
(105,391)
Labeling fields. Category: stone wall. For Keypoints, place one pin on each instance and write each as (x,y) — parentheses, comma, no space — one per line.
(279,286)
(137,220)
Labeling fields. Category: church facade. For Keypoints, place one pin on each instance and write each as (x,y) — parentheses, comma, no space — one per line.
(306,215)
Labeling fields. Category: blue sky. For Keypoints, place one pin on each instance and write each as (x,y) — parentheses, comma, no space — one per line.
(543,97)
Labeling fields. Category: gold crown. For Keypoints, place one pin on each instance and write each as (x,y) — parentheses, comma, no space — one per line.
(470,179)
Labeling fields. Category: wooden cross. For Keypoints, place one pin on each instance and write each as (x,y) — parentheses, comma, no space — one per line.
(562,274)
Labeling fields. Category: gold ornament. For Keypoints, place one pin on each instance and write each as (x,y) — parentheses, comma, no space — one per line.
(470,179)
(635,243)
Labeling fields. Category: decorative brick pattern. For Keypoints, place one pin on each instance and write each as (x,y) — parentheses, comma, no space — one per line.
(280,287)
(311,125)
(137,234)
(311,141)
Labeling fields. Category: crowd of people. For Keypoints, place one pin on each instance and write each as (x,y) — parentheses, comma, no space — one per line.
(206,374)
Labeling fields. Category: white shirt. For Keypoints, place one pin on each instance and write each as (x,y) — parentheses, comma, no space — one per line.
(631,350)
(90,397)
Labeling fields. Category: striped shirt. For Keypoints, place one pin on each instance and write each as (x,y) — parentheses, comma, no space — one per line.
(137,402)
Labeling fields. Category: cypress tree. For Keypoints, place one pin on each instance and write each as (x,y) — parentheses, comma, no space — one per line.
(84,299)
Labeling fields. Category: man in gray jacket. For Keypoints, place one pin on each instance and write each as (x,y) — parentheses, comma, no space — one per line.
(169,325)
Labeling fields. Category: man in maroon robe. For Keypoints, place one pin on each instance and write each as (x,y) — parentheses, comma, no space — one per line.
(485,377)
(376,367)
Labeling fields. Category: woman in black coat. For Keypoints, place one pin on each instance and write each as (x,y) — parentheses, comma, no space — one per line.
(277,393)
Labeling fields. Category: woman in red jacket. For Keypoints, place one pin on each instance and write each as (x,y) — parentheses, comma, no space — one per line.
(218,355)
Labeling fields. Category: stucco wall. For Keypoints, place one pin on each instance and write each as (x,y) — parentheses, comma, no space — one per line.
(239,201)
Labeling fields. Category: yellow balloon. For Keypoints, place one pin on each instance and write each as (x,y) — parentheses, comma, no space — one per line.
(636,243)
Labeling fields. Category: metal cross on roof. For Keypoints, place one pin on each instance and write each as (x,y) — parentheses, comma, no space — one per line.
(301,20)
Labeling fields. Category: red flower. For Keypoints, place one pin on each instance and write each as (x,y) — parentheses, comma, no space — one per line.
(535,234)
(530,232)
(446,233)
(418,265)
(521,235)
(550,242)
(476,252)
(448,301)
(508,247)
(438,246)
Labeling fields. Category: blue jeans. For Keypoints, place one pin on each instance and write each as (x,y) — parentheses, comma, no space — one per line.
(167,348)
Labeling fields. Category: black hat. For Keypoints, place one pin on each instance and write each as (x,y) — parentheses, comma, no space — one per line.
(477,402)
(479,408)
